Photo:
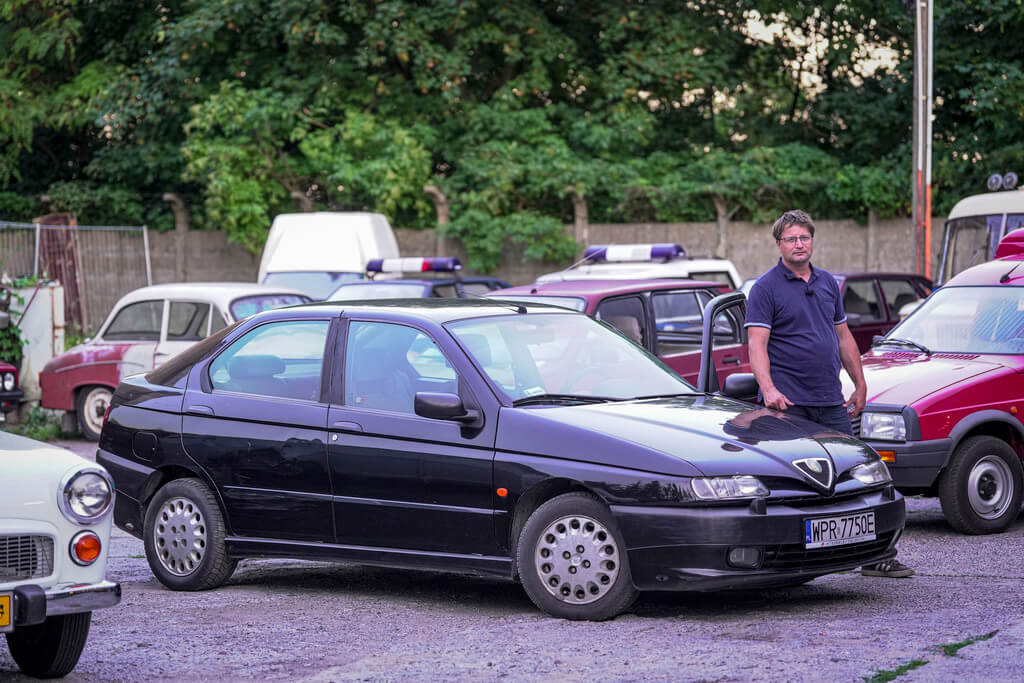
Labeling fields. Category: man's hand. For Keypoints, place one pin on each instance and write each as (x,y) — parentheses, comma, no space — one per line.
(776,400)
(857,401)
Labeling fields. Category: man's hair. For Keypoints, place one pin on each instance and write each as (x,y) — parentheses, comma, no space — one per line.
(789,219)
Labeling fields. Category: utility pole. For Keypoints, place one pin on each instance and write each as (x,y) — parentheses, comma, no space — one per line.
(922,133)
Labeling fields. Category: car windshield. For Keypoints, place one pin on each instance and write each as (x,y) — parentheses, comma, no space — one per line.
(379,290)
(571,302)
(563,354)
(317,284)
(245,306)
(987,319)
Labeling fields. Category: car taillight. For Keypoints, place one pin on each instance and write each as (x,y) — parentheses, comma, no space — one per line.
(85,548)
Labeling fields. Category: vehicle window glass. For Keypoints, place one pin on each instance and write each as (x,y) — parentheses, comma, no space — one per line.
(898,293)
(139,321)
(245,306)
(968,242)
(861,298)
(470,288)
(677,322)
(711,276)
(562,353)
(316,284)
(186,321)
(626,315)
(177,367)
(386,364)
(968,320)
(1014,221)
(217,323)
(282,359)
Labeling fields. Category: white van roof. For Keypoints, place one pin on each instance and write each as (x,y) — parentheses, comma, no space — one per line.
(326,241)
(988,203)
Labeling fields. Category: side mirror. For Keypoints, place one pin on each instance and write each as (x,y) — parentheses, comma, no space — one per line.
(440,406)
(853,320)
(741,386)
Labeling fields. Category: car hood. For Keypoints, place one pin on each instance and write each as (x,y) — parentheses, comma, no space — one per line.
(901,378)
(685,436)
(137,356)
(33,472)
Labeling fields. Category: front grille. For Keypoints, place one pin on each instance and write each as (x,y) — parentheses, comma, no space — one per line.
(25,557)
(794,556)
(855,423)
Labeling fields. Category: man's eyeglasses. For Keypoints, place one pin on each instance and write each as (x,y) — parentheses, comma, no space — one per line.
(803,239)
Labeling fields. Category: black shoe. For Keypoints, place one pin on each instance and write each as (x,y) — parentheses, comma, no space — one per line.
(891,569)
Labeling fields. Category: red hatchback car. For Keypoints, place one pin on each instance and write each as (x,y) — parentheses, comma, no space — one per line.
(945,392)
(663,316)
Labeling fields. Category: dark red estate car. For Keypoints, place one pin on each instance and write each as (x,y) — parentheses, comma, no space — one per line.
(945,392)
(663,316)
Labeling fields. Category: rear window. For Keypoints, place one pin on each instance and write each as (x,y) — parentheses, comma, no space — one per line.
(245,306)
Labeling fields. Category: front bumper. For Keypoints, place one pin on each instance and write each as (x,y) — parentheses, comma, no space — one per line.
(916,464)
(31,604)
(686,548)
(9,400)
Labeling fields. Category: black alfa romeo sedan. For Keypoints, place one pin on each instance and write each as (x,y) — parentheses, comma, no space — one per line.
(517,441)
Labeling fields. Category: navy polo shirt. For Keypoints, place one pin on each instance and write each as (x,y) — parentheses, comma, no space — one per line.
(803,348)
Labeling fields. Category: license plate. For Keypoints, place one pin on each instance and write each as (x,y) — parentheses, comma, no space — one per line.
(829,531)
(6,618)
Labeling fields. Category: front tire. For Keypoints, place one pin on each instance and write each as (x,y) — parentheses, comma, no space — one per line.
(980,490)
(50,649)
(572,560)
(184,537)
(90,406)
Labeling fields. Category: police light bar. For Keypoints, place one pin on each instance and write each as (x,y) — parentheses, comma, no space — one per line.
(440,264)
(633,252)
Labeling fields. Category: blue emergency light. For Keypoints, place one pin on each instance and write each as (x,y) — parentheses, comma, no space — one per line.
(633,252)
(439,264)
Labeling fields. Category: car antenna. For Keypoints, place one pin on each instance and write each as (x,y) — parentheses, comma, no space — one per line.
(1005,277)
(586,258)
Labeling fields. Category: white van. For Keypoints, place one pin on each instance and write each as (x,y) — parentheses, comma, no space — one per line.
(316,252)
(974,228)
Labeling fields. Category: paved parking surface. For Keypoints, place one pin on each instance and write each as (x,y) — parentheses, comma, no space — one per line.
(291,620)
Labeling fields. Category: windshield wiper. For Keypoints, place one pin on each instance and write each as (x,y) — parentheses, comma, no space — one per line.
(560,398)
(681,393)
(904,342)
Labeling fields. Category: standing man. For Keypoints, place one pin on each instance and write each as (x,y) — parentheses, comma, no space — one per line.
(798,340)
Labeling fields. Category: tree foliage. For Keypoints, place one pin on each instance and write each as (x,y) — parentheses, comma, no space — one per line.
(649,109)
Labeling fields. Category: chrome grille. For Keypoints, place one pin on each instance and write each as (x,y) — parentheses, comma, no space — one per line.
(794,556)
(855,423)
(25,557)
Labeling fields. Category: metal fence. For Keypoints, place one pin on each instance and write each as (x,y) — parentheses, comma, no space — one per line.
(95,264)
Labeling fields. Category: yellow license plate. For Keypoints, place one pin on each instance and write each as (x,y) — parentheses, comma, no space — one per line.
(6,618)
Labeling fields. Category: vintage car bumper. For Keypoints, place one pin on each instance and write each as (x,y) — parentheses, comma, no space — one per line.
(32,604)
(916,464)
(9,400)
(686,548)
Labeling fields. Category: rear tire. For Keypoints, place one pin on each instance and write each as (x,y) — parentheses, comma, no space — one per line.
(90,406)
(980,490)
(184,537)
(50,649)
(572,560)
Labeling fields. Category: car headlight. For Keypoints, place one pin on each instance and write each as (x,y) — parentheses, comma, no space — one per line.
(728,488)
(86,495)
(874,472)
(888,426)
(9,381)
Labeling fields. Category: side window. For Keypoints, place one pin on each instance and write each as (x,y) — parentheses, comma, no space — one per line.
(386,364)
(217,323)
(862,298)
(278,359)
(898,293)
(677,321)
(137,322)
(187,321)
(626,315)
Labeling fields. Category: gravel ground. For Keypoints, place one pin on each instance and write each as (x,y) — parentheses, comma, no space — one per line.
(292,620)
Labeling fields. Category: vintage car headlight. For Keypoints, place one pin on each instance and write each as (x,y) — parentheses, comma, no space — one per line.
(888,426)
(874,472)
(86,495)
(728,488)
(9,381)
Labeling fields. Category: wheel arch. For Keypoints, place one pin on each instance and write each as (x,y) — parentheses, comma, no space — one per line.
(533,498)
(994,423)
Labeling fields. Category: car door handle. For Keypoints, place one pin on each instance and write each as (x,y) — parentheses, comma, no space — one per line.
(200,410)
(350,426)
(731,359)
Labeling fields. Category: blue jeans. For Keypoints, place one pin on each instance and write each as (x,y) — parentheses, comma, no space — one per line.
(833,417)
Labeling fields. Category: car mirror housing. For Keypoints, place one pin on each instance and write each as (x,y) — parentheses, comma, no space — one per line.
(441,406)
(741,386)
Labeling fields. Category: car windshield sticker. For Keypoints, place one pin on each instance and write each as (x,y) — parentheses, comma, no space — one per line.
(533,391)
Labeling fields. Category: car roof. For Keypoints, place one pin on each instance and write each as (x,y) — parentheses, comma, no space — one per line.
(590,288)
(989,203)
(847,274)
(435,310)
(220,293)
(991,272)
